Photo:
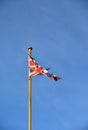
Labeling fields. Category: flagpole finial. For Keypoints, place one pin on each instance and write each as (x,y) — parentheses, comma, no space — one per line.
(30,50)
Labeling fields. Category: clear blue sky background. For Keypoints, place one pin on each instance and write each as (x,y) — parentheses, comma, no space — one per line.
(58,32)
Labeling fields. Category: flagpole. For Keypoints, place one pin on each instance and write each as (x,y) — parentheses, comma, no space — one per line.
(30,104)
(29,92)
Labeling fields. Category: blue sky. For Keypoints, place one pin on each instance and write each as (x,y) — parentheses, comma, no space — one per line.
(58,32)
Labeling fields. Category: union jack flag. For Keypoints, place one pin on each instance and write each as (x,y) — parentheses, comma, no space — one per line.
(35,69)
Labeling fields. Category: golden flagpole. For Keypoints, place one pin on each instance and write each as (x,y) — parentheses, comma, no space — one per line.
(29,92)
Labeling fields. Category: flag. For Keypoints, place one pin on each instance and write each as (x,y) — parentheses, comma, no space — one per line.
(36,69)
